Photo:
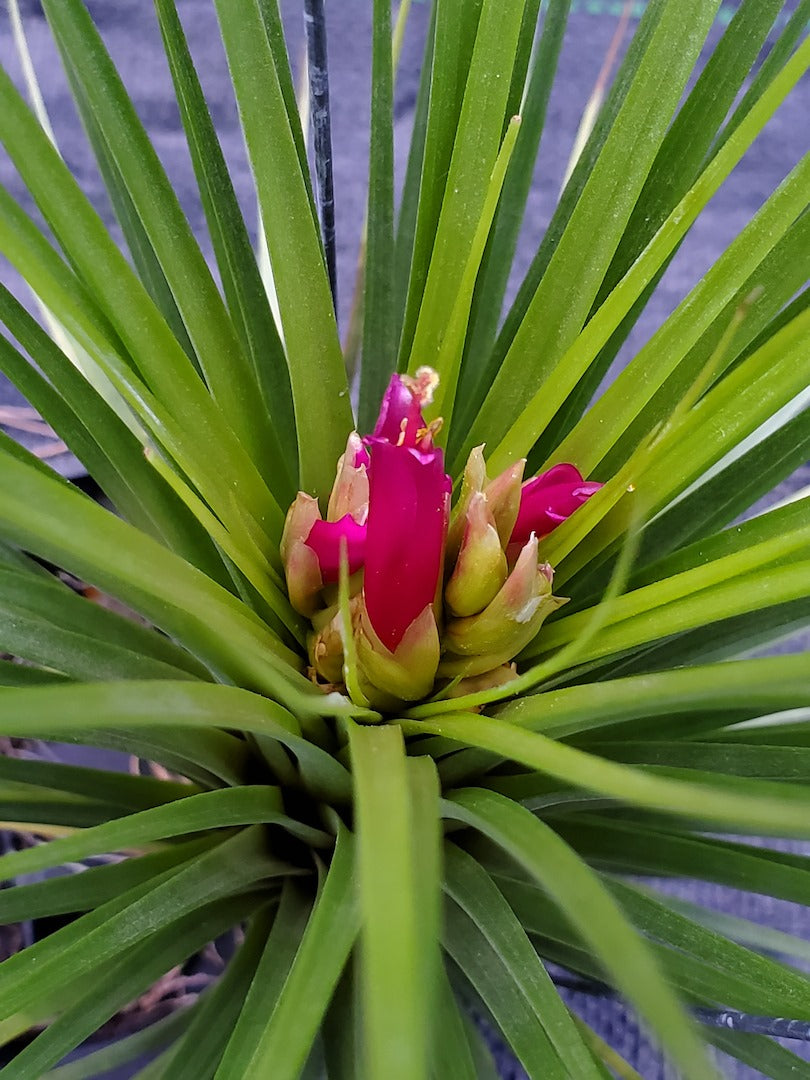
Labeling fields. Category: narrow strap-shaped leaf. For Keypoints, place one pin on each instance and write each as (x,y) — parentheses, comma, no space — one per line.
(563,298)
(768,812)
(274,30)
(492,982)
(630,847)
(779,549)
(226,368)
(238,270)
(766,382)
(227,472)
(125,302)
(394,942)
(454,25)
(452,1054)
(409,199)
(591,911)
(778,988)
(283,941)
(565,207)
(77,892)
(790,198)
(724,496)
(212,758)
(134,792)
(765,1055)
(693,317)
(118,983)
(100,548)
(225,870)
(150,1039)
(137,239)
(795,28)
(61,711)
(491,284)
(450,354)
(223,809)
(47,623)
(475,148)
(771,684)
(196,1054)
(317,375)
(687,143)
(283,1045)
(379,329)
(474,891)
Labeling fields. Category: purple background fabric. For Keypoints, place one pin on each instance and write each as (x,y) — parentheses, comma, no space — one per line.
(130,29)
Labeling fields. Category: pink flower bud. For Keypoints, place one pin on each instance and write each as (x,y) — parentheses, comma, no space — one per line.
(480,569)
(546,501)
(482,642)
(407,520)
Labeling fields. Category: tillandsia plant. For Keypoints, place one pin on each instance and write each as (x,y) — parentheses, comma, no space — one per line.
(430,688)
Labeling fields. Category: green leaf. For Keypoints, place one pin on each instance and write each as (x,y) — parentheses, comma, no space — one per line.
(48,623)
(149,1039)
(752,246)
(563,298)
(224,364)
(776,987)
(282,944)
(76,892)
(780,816)
(477,139)
(591,911)
(570,197)
(768,543)
(281,1046)
(764,685)
(450,50)
(379,328)
(748,317)
(182,601)
(118,292)
(510,1011)
(35,974)
(197,1053)
(317,376)
(117,984)
(124,789)
(474,891)
(591,440)
(395,942)
(60,711)
(223,809)
(452,1054)
(271,416)
(631,847)
(497,263)
(212,758)
(451,349)
(760,1052)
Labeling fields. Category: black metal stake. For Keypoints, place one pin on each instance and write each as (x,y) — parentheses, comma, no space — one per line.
(315,21)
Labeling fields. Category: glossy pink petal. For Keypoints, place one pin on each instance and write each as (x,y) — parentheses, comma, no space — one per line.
(399,406)
(407,523)
(548,499)
(324,538)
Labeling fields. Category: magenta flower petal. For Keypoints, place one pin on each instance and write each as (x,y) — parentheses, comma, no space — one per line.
(324,538)
(398,405)
(407,523)
(548,499)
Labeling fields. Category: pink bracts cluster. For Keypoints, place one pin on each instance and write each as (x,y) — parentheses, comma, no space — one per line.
(433,595)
